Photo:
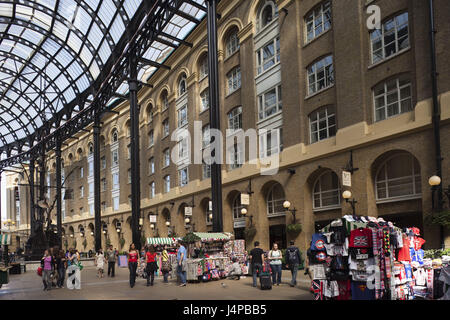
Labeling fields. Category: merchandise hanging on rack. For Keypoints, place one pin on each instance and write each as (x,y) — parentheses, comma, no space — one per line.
(367,258)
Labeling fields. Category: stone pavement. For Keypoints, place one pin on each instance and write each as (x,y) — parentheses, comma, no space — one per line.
(29,286)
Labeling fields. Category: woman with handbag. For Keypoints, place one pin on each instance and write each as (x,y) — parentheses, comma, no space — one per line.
(133,263)
(152,267)
(166,266)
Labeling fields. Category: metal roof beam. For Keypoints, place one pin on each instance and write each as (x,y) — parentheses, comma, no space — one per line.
(149,62)
(169,36)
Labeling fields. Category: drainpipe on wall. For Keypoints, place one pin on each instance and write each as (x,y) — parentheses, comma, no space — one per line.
(436,116)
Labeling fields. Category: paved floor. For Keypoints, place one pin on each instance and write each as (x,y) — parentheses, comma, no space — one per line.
(29,286)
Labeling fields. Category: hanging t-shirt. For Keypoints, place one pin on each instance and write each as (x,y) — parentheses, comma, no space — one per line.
(317,289)
(317,257)
(336,249)
(408,271)
(418,242)
(361,238)
(403,253)
(360,291)
(331,289)
(421,277)
(318,271)
(318,242)
(367,265)
(344,290)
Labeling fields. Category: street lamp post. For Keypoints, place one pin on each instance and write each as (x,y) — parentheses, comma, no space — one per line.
(287,206)
(436,187)
(9,224)
(244,213)
(347,195)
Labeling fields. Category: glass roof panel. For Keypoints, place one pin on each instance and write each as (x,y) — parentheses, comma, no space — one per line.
(55,50)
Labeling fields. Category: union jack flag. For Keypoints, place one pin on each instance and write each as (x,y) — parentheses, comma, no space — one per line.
(317,289)
(361,241)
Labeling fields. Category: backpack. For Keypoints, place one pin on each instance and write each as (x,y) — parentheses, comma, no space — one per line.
(292,255)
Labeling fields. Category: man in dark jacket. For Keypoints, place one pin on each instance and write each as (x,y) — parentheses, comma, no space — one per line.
(293,260)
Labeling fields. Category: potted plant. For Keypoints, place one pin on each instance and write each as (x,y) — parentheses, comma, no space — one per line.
(440,218)
(121,242)
(189,239)
(294,228)
(84,244)
(108,242)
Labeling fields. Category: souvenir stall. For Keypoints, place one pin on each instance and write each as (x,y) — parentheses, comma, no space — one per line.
(365,258)
(236,249)
(5,241)
(159,243)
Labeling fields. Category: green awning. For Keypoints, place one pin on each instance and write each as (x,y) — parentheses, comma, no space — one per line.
(154,241)
(5,239)
(218,236)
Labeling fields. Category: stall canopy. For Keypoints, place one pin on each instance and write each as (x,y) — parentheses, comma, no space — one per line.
(213,236)
(154,241)
(5,239)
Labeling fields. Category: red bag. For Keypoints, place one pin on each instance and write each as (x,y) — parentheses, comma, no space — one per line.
(39,271)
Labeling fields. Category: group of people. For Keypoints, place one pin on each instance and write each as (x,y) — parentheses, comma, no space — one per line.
(274,258)
(54,264)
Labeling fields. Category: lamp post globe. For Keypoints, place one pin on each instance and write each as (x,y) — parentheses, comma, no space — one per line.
(244,211)
(167,223)
(286,204)
(187,220)
(346,194)
(434,181)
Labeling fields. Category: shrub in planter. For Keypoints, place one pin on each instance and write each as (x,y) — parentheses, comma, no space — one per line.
(294,228)
(84,243)
(108,242)
(191,238)
(439,218)
(122,242)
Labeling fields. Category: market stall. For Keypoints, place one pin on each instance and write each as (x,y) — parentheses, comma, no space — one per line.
(368,258)
(5,241)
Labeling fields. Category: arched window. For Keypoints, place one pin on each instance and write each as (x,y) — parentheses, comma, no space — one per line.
(164,100)
(91,148)
(114,136)
(203,66)
(326,191)
(237,207)
(232,42)
(149,113)
(274,200)
(267,13)
(182,86)
(398,178)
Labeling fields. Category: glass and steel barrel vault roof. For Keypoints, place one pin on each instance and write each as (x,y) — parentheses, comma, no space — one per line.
(53,51)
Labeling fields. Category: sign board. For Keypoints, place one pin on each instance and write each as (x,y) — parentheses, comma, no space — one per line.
(245,199)
(239,224)
(346,179)
(152,218)
(123,261)
(188,211)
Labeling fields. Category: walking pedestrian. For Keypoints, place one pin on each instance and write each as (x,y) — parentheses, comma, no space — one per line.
(133,263)
(181,263)
(61,268)
(47,268)
(111,255)
(99,262)
(293,260)
(275,257)
(256,260)
(166,267)
(152,267)
(73,271)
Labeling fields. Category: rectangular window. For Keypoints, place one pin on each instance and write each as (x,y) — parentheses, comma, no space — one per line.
(320,75)
(204,97)
(166,184)
(115,157)
(91,168)
(183,151)
(103,161)
(165,127)
(81,172)
(270,102)
(206,168)
(318,21)
(115,177)
(152,190)
(391,38)
(91,189)
(116,203)
(234,80)
(166,158)
(392,97)
(235,157)
(182,116)
(235,119)
(91,209)
(183,177)
(151,166)
(150,139)
(81,192)
(268,56)
(204,68)
(103,184)
(129,151)
(322,124)
(270,143)
(103,206)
